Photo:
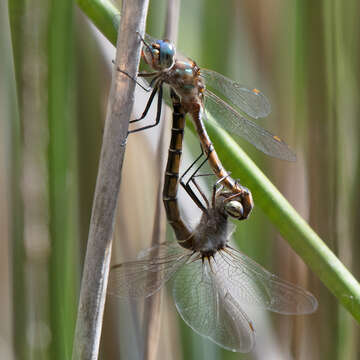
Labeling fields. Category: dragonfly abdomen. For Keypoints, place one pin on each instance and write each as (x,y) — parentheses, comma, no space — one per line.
(182,232)
(216,165)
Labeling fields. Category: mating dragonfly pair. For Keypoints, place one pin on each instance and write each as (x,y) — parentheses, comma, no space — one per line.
(213,282)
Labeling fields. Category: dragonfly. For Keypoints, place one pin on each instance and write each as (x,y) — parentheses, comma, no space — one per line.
(213,283)
(234,110)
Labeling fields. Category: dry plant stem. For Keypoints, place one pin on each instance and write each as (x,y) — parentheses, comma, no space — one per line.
(172,20)
(152,310)
(121,99)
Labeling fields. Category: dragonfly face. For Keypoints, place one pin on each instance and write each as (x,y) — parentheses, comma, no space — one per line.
(232,203)
(160,55)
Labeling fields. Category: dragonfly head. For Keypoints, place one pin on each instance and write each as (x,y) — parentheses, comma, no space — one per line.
(234,209)
(230,204)
(160,55)
(237,204)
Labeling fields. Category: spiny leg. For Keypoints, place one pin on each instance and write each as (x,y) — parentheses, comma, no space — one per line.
(144,41)
(157,86)
(139,75)
(158,114)
(216,189)
(189,168)
(188,188)
(147,107)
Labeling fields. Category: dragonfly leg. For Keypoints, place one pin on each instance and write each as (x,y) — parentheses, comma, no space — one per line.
(194,174)
(200,191)
(144,42)
(219,181)
(133,79)
(157,86)
(189,168)
(158,115)
(187,187)
(217,188)
(147,107)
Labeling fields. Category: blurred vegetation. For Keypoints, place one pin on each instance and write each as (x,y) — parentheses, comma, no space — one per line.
(55,78)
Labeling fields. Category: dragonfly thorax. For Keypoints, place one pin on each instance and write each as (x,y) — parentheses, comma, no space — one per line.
(184,78)
(182,75)
(212,233)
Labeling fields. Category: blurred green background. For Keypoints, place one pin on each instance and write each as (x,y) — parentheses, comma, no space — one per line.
(55,77)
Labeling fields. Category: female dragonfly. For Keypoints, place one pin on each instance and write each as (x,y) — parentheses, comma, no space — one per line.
(192,85)
(214,283)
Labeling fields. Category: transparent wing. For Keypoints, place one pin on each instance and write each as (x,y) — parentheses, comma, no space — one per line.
(145,276)
(210,311)
(236,124)
(252,102)
(250,283)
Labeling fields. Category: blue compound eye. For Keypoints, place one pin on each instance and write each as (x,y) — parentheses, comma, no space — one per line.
(167,53)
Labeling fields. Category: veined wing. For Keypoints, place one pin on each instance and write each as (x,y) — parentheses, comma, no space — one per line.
(228,118)
(250,283)
(145,276)
(252,102)
(210,311)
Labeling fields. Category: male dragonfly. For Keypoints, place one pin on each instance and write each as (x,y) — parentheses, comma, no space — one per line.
(192,84)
